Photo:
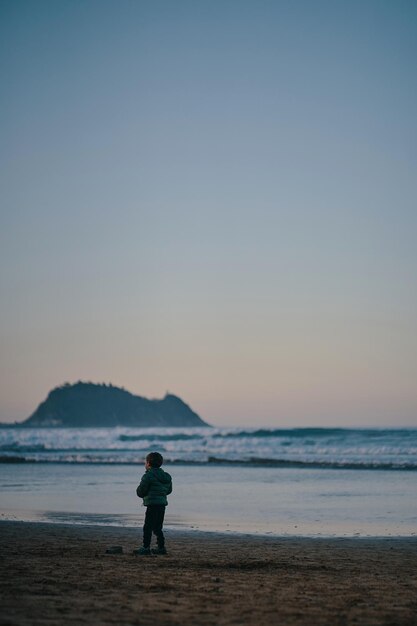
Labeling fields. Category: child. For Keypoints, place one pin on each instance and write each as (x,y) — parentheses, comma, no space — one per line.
(154,487)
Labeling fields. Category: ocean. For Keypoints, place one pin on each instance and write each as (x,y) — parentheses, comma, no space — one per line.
(284,482)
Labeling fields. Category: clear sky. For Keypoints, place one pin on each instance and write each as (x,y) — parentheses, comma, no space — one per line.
(215,198)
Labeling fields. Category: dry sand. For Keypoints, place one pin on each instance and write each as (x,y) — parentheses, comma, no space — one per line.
(56,574)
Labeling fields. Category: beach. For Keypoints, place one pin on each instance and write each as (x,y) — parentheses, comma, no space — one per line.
(61,574)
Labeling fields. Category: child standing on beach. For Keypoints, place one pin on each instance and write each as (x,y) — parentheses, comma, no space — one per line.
(154,487)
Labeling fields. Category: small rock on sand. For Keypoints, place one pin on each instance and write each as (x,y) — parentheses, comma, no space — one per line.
(114,550)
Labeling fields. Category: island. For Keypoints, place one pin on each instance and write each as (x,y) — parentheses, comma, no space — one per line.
(91,405)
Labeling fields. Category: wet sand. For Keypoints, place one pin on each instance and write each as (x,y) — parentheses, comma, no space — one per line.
(61,574)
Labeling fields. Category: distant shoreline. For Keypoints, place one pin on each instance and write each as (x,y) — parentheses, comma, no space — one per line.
(24,426)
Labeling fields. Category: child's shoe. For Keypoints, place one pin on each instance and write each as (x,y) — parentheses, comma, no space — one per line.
(142,551)
(159,550)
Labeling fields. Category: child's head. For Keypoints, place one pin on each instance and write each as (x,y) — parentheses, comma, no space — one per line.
(154,459)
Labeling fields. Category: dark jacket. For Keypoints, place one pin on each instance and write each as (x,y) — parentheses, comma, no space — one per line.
(154,486)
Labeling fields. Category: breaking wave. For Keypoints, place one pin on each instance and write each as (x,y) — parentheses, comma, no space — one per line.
(325,448)
(253,461)
(315,433)
(147,437)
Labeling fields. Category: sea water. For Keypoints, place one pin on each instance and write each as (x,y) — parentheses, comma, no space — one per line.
(310,482)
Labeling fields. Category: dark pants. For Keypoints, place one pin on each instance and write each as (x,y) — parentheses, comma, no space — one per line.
(154,520)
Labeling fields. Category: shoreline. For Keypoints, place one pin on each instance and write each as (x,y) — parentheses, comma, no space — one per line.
(61,574)
(134,521)
(177,529)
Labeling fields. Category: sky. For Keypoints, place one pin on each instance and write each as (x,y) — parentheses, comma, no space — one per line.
(215,199)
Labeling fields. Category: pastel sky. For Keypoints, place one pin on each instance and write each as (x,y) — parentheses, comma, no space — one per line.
(214,198)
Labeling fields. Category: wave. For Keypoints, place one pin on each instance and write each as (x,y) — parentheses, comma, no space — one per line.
(281,432)
(153,437)
(313,464)
(49,451)
(14,446)
(301,433)
(211,460)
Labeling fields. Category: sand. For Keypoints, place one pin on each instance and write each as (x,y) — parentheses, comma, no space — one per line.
(61,574)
